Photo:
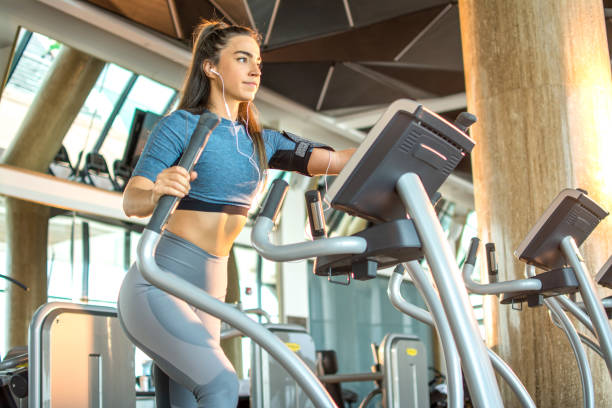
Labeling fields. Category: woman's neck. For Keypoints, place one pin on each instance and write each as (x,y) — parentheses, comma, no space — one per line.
(217,106)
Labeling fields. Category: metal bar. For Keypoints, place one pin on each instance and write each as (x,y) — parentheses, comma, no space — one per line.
(18,53)
(176,21)
(591,344)
(498,364)
(226,14)
(43,317)
(588,395)
(127,249)
(519,285)
(589,296)
(118,105)
(478,370)
(95,381)
(85,276)
(302,250)
(578,313)
(328,77)
(258,282)
(15,281)
(200,299)
(249,14)
(451,355)
(349,15)
(271,23)
(357,377)
(422,32)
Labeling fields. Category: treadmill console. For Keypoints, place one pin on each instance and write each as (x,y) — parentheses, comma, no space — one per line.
(604,276)
(573,213)
(407,138)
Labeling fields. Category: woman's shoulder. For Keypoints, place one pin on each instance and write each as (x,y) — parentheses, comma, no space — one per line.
(179,115)
(270,133)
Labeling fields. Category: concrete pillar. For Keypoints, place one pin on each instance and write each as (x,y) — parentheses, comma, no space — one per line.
(40,136)
(538,79)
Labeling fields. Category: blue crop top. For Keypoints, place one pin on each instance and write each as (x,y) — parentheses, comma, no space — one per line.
(227,180)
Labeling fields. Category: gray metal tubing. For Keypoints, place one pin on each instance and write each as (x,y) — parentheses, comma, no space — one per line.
(589,297)
(588,395)
(203,301)
(591,344)
(515,384)
(369,397)
(519,285)
(401,304)
(451,356)
(576,311)
(606,302)
(356,377)
(478,370)
(498,364)
(259,312)
(41,315)
(303,250)
(230,334)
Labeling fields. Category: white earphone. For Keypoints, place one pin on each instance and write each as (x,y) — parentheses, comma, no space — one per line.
(233,127)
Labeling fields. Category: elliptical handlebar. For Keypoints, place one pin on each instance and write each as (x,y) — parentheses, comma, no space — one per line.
(303,250)
(519,285)
(207,122)
(274,200)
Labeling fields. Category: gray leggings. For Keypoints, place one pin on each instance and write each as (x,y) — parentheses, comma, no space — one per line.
(182,340)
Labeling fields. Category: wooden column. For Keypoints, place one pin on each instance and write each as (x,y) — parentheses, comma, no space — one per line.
(538,79)
(40,136)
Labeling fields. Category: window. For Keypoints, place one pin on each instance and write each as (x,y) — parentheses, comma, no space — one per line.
(104,121)
(31,66)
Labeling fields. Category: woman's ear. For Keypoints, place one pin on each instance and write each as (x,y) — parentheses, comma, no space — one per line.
(208,68)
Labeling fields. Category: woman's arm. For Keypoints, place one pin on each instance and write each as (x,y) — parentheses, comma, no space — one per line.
(320,159)
(141,195)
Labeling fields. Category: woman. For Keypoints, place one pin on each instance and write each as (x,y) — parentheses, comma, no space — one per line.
(223,78)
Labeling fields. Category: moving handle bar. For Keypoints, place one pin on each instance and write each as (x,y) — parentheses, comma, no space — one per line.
(303,250)
(202,300)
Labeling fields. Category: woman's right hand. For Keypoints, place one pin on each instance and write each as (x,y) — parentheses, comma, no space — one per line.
(141,195)
(174,181)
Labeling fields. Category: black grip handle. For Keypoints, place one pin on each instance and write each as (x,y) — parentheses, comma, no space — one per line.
(166,204)
(471,257)
(491,262)
(274,200)
(315,214)
(465,120)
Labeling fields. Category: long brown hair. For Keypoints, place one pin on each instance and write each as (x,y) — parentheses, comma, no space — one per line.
(209,38)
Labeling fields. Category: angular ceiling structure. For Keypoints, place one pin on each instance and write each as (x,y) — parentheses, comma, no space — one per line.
(333,56)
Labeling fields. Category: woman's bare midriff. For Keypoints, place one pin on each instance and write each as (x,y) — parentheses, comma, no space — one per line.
(214,232)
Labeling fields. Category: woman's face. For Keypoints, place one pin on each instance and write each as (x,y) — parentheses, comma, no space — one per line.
(239,65)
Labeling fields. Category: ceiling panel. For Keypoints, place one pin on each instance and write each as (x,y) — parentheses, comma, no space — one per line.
(366,12)
(440,46)
(236,11)
(190,14)
(299,19)
(151,13)
(376,42)
(350,88)
(301,82)
(261,10)
(439,82)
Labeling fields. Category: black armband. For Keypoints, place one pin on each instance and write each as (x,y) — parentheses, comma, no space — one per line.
(296,159)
